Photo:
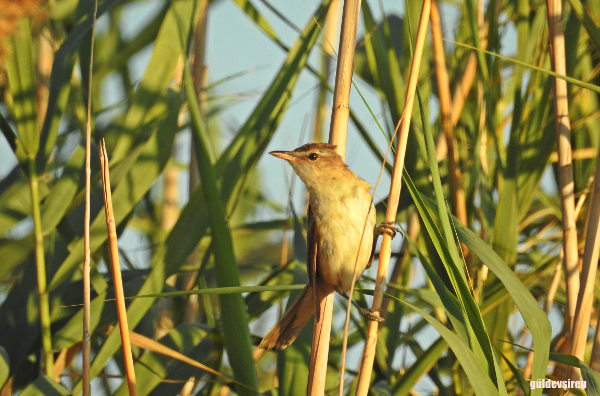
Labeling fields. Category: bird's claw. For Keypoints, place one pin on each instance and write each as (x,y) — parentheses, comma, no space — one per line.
(387,227)
(372,315)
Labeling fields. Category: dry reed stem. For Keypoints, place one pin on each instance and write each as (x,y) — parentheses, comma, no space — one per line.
(86,387)
(443,83)
(393,200)
(331,27)
(565,172)
(585,297)
(116,271)
(343,79)
(319,352)
(556,276)
(565,176)
(200,79)
(170,213)
(337,135)
(327,52)
(464,86)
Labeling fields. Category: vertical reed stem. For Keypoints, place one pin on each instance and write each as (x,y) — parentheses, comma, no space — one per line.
(116,270)
(337,135)
(565,164)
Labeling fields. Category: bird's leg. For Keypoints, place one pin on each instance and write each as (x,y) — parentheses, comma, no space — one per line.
(367,313)
(387,227)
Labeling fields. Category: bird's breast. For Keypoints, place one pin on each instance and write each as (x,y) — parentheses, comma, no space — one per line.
(345,236)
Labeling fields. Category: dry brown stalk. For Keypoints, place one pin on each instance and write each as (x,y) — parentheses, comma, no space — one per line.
(116,271)
(327,52)
(556,276)
(393,200)
(443,84)
(464,86)
(200,78)
(170,214)
(343,79)
(565,172)
(588,271)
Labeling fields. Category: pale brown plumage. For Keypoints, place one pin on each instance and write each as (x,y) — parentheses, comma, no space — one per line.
(341,219)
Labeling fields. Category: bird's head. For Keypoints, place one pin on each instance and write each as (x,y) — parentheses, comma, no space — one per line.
(315,163)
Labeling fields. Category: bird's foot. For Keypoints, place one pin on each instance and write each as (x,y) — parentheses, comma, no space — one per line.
(372,315)
(387,227)
(367,313)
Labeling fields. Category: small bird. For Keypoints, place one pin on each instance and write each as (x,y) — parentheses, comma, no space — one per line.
(341,233)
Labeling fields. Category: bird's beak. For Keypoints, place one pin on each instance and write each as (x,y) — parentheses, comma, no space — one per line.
(286,155)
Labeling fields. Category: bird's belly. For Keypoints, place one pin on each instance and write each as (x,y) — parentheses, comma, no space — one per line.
(339,241)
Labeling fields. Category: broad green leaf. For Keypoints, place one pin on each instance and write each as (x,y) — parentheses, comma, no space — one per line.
(170,43)
(523,383)
(15,201)
(60,78)
(252,138)
(587,22)
(257,17)
(63,191)
(72,331)
(45,386)
(20,67)
(383,63)
(479,378)
(448,299)
(533,315)
(424,363)
(115,54)
(236,332)
(591,377)
(448,251)
(145,163)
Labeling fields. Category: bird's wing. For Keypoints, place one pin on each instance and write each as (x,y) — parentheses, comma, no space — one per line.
(312,243)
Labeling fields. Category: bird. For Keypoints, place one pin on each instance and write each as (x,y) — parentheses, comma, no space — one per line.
(341,234)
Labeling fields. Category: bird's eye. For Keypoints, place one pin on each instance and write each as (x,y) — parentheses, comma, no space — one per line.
(313,156)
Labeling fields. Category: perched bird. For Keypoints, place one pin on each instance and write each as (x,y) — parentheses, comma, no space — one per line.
(341,233)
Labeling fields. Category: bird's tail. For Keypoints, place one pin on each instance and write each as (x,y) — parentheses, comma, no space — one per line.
(292,322)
